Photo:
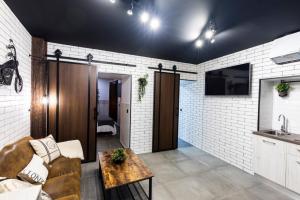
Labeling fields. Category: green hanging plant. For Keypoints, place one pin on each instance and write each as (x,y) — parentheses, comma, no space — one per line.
(283,89)
(143,82)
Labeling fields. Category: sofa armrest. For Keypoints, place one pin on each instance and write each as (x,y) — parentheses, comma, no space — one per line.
(71,149)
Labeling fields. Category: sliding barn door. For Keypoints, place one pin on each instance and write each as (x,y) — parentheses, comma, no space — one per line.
(72,106)
(166,103)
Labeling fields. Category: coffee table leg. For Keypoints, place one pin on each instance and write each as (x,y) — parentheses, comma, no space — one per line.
(150,188)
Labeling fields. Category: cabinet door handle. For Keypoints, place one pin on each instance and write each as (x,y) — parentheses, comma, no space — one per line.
(268,142)
(298,162)
(298,150)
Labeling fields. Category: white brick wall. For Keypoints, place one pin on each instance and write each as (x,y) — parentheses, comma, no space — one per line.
(228,122)
(142,112)
(14,108)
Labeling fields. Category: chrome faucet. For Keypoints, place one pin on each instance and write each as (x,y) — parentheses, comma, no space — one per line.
(283,126)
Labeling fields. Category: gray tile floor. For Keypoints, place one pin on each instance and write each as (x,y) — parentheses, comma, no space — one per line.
(191,174)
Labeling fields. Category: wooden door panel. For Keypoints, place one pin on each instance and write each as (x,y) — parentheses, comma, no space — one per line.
(166,111)
(92,140)
(166,100)
(73,103)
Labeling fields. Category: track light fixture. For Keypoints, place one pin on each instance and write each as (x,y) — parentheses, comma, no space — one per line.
(130,11)
(154,23)
(209,35)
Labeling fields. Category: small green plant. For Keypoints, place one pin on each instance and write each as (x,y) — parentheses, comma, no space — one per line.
(118,156)
(283,89)
(143,82)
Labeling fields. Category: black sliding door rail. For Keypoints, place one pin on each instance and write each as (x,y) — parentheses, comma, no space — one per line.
(172,70)
(89,59)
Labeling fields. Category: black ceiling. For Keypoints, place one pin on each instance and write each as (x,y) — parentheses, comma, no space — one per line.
(99,24)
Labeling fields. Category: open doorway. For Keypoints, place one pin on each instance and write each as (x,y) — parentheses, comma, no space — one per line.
(114,111)
(186,109)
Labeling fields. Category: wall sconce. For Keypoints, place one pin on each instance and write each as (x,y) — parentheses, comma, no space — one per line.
(45,100)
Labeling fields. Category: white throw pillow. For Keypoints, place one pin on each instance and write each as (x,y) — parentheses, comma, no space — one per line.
(16,189)
(46,148)
(35,172)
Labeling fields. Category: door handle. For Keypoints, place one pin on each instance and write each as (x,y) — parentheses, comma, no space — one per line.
(298,162)
(268,142)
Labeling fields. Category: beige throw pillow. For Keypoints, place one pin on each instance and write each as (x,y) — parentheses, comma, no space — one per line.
(46,148)
(35,172)
(17,188)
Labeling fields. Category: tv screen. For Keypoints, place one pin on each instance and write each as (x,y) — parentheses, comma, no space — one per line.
(229,81)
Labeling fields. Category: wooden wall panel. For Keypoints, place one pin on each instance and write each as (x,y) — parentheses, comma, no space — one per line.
(38,88)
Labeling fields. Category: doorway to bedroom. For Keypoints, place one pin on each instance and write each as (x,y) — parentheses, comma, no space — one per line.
(113,110)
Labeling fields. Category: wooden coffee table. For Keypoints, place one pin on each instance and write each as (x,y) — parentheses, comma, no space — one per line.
(131,171)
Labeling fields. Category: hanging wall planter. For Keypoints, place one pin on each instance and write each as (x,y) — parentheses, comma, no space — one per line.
(143,82)
(283,89)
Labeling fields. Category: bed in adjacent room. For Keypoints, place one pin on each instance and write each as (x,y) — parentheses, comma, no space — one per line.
(106,126)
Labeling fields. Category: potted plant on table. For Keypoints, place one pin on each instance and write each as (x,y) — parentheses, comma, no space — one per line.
(118,156)
(283,89)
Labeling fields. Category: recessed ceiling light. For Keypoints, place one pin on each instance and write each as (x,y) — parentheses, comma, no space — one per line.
(155,23)
(112,1)
(209,34)
(130,12)
(145,17)
(199,43)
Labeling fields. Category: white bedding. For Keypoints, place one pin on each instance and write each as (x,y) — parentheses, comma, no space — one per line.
(107,128)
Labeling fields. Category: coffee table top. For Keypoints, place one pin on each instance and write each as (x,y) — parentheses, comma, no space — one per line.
(132,170)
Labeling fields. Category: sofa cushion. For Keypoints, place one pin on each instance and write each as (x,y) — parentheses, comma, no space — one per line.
(63,165)
(15,157)
(62,186)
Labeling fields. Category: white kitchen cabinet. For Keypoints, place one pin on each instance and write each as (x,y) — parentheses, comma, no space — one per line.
(270,159)
(293,168)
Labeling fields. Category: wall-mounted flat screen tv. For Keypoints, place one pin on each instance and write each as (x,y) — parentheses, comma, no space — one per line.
(234,80)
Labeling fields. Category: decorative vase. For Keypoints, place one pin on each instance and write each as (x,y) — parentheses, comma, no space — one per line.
(283,93)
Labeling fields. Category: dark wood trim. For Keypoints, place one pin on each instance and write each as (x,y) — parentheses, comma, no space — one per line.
(57,98)
(38,120)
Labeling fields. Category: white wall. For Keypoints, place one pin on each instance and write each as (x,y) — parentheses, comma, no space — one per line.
(14,108)
(103,88)
(142,112)
(228,122)
(289,106)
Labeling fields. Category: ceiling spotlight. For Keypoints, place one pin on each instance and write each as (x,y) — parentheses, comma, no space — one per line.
(130,12)
(213,40)
(112,1)
(155,23)
(209,34)
(199,43)
(145,17)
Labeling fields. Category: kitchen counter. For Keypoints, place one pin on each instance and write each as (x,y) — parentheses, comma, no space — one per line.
(290,137)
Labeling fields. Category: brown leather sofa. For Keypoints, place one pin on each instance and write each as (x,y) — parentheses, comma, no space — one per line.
(63,182)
